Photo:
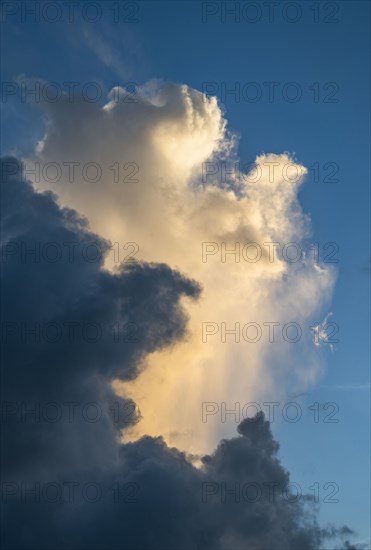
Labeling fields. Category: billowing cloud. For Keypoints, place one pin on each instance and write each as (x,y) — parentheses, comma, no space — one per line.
(150,172)
(67,482)
(68,326)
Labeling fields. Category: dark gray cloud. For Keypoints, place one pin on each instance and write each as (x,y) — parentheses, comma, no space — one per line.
(89,490)
(75,307)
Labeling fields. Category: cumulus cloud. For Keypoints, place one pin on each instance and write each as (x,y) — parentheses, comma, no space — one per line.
(162,184)
(60,317)
(68,481)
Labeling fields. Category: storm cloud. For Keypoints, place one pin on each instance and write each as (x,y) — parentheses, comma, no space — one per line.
(69,482)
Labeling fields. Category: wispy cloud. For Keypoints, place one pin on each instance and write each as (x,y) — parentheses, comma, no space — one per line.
(107,54)
(322,334)
(350,387)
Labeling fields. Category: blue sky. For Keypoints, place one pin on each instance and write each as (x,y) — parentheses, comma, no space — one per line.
(170,41)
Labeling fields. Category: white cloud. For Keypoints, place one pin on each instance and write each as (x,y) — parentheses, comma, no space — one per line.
(169,132)
(323,332)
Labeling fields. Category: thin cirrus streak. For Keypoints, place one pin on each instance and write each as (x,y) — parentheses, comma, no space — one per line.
(168,133)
